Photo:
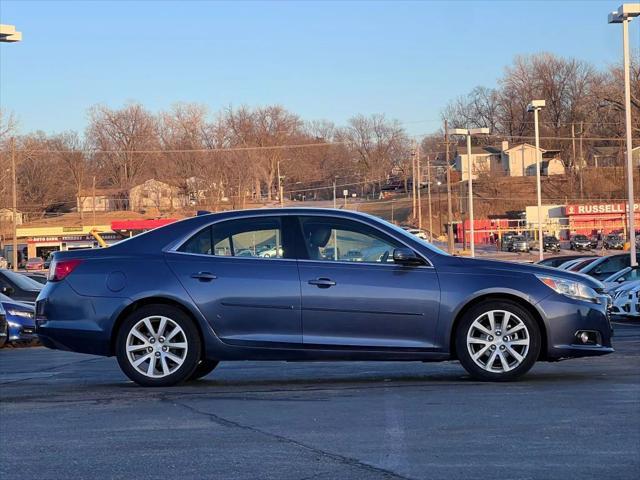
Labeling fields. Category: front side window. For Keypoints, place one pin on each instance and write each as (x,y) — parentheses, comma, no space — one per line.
(345,241)
(255,237)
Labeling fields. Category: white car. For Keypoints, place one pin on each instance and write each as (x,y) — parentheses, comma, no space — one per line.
(627,274)
(626,300)
(417,232)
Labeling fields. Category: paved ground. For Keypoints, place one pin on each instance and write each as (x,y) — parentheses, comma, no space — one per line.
(67,416)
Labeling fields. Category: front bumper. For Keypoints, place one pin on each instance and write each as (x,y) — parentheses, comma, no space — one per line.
(566,318)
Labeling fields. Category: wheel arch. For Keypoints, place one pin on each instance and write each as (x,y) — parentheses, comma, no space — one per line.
(153,300)
(502,296)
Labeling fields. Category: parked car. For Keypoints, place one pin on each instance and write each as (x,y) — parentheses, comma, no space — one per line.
(4,328)
(580,264)
(20,320)
(170,311)
(417,232)
(519,243)
(38,277)
(594,240)
(626,300)
(604,267)
(627,274)
(580,242)
(613,242)
(506,240)
(557,261)
(35,263)
(551,244)
(18,286)
(354,256)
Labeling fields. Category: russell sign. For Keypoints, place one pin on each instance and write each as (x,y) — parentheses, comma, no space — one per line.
(598,208)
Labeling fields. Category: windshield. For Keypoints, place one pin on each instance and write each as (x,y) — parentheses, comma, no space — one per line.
(22,282)
(580,237)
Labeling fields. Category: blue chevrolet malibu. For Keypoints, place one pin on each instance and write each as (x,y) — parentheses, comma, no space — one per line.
(282,284)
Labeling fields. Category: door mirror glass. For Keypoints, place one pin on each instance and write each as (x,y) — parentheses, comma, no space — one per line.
(406,256)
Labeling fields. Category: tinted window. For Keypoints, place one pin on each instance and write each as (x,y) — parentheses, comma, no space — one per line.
(343,240)
(199,243)
(257,237)
(613,264)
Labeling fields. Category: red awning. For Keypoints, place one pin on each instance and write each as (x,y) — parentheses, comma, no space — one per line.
(140,224)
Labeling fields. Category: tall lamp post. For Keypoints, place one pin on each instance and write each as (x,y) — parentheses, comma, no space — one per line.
(470,132)
(535,106)
(9,34)
(623,15)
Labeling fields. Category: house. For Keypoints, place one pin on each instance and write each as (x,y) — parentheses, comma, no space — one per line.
(101,200)
(516,161)
(156,195)
(6,216)
(486,159)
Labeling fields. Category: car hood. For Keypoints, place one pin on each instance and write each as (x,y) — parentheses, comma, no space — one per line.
(627,286)
(511,268)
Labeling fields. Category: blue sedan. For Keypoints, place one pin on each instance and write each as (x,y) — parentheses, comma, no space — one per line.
(173,302)
(20,320)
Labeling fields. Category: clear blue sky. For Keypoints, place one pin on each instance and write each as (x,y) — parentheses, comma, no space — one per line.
(326,60)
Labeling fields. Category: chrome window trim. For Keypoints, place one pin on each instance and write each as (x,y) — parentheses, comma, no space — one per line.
(174,246)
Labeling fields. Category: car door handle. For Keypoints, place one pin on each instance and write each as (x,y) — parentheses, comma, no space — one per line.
(204,276)
(322,282)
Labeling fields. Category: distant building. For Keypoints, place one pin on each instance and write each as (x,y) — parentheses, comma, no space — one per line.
(6,216)
(106,200)
(516,161)
(156,195)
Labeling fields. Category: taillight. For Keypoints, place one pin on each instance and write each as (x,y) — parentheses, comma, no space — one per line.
(60,269)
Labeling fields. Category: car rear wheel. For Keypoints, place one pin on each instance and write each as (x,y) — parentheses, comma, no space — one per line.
(497,341)
(204,368)
(158,346)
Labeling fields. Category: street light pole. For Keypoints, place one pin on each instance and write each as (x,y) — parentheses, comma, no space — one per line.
(14,253)
(623,15)
(535,106)
(419,199)
(472,230)
(468,133)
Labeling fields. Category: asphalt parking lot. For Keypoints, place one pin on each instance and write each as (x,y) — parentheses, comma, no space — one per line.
(66,416)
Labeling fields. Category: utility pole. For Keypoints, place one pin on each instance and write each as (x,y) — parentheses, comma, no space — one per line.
(581,162)
(419,184)
(334,194)
(280,192)
(429,195)
(14,254)
(413,181)
(94,201)
(450,242)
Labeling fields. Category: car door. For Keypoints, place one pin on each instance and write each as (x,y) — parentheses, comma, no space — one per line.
(367,303)
(240,277)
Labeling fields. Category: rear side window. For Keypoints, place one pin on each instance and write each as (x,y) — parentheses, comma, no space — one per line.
(200,243)
(253,237)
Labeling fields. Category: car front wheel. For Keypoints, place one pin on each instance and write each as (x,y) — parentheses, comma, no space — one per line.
(158,346)
(497,341)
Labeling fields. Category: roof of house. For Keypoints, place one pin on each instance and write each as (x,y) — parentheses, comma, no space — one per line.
(481,150)
(520,145)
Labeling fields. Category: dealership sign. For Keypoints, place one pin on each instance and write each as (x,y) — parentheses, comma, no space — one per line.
(591,209)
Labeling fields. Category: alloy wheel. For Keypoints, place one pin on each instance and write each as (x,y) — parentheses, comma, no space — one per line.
(156,346)
(498,341)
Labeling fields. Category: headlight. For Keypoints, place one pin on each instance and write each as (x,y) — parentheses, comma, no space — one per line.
(20,313)
(570,288)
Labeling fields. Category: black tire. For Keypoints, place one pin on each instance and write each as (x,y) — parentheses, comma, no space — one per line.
(191,336)
(3,341)
(464,326)
(204,368)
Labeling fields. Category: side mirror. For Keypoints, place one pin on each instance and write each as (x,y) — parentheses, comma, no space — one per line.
(620,280)
(406,256)
(7,290)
